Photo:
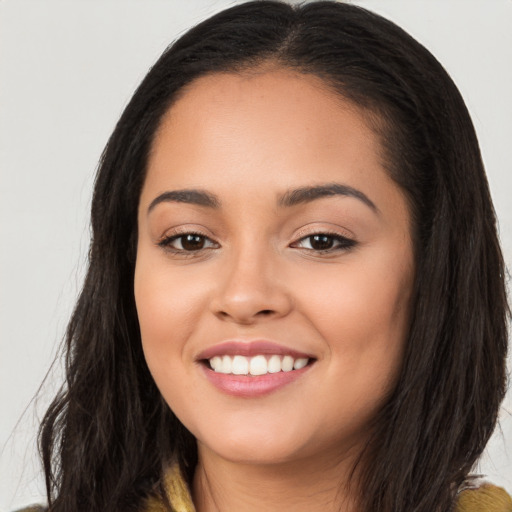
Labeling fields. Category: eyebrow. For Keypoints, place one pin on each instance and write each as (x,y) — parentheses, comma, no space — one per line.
(308,194)
(288,199)
(190,196)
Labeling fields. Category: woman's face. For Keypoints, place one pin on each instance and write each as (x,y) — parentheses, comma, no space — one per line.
(270,237)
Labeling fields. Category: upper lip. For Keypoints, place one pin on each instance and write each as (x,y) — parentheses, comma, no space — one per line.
(250,349)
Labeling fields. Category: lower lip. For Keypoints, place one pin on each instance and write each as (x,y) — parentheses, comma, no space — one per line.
(248,386)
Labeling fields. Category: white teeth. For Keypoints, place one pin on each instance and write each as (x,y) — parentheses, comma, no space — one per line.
(226,365)
(274,364)
(300,363)
(240,365)
(287,364)
(257,365)
(216,363)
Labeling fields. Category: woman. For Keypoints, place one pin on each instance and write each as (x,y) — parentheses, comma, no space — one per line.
(295,296)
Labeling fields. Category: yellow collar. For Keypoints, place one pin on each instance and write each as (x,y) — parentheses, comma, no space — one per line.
(486,498)
(178,492)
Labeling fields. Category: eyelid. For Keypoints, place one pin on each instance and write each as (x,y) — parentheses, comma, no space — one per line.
(172,238)
(192,229)
(344,244)
(316,229)
(165,242)
(343,239)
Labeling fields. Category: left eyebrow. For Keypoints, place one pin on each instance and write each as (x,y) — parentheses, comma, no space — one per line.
(308,194)
(191,196)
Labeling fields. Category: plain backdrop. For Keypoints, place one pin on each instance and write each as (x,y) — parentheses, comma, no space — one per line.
(67,69)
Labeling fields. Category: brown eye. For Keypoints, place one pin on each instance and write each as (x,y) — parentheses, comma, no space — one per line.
(188,242)
(321,242)
(192,242)
(324,242)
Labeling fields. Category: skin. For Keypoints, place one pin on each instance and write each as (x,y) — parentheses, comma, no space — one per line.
(249,138)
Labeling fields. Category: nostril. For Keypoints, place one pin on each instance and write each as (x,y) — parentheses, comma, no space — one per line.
(266,312)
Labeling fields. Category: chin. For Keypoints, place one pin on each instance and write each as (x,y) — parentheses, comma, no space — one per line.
(261,451)
(247,441)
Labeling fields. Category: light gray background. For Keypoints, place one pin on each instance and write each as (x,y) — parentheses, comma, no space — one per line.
(67,69)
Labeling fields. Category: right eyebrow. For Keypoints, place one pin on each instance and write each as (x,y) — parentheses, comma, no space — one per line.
(308,194)
(190,196)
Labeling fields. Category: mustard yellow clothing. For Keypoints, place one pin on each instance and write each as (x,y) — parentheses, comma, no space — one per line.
(485,498)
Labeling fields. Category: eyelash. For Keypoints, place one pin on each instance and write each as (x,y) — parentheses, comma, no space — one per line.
(344,243)
(166,243)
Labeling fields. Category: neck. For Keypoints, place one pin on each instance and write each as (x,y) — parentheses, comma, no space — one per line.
(323,484)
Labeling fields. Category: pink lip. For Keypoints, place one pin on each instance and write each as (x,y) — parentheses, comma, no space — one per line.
(250,349)
(247,386)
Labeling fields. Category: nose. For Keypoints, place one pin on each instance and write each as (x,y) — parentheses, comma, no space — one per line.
(251,289)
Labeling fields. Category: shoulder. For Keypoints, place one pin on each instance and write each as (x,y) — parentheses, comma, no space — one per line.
(484,498)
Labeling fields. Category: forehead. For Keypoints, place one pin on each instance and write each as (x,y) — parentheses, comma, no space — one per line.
(266,116)
(255,135)
(264,84)
(262,95)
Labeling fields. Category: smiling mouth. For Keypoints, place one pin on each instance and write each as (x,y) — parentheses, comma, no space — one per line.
(257,365)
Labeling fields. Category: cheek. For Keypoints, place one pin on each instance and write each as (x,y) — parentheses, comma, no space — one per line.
(362,311)
(165,294)
(164,309)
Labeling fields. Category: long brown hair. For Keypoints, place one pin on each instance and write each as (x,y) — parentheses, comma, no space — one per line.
(108,437)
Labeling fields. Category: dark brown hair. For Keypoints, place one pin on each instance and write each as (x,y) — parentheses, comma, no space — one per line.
(108,437)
